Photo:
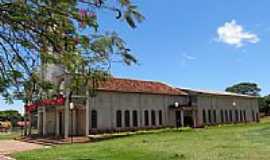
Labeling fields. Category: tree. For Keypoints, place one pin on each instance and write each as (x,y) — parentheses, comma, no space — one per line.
(36,33)
(264,104)
(10,115)
(246,88)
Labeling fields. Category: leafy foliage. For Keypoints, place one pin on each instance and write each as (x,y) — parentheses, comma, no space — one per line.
(37,33)
(264,104)
(246,88)
(10,115)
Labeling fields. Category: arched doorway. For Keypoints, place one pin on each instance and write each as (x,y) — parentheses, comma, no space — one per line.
(188,118)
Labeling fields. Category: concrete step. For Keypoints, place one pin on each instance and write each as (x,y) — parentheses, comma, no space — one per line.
(54,142)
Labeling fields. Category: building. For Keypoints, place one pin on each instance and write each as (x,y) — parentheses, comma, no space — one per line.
(223,107)
(125,104)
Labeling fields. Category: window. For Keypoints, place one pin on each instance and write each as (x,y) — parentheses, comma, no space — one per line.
(215,116)
(253,116)
(160,117)
(221,116)
(231,116)
(118,118)
(153,116)
(209,116)
(236,116)
(135,118)
(146,118)
(226,116)
(241,116)
(94,119)
(204,116)
(245,116)
(127,119)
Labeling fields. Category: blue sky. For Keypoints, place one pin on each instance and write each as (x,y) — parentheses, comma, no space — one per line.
(178,43)
(206,44)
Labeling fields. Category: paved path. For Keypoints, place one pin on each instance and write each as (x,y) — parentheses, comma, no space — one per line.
(2,157)
(11,146)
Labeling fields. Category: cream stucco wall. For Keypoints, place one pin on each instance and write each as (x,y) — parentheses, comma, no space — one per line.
(108,103)
(218,103)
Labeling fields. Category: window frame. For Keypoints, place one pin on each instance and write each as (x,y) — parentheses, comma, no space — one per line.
(94,119)
(209,116)
(135,118)
(153,117)
(146,118)
(236,114)
(226,116)
(160,116)
(215,116)
(118,118)
(204,116)
(127,118)
(230,115)
(222,116)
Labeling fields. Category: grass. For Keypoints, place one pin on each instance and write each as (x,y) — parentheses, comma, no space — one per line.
(230,142)
(9,135)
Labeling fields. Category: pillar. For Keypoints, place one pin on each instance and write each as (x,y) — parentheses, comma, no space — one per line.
(67,115)
(74,124)
(194,115)
(87,112)
(25,121)
(182,118)
(57,124)
(38,122)
(30,124)
(44,129)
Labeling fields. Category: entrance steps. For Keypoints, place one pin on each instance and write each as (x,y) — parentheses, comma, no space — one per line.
(51,141)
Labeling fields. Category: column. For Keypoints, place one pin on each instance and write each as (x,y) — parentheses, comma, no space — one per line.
(67,118)
(182,118)
(38,122)
(194,114)
(25,121)
(30,124)
(74,131)
(87,112)
(57,123)
(44,129)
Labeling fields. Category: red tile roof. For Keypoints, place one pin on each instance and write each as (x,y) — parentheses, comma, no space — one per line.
(138,86)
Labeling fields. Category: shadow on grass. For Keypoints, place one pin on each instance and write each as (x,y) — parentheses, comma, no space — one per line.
(98,138)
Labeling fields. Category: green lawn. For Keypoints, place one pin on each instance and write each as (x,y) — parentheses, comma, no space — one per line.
(232,142)
(9,135)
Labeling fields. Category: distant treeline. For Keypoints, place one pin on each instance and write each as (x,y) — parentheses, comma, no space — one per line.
(11,115)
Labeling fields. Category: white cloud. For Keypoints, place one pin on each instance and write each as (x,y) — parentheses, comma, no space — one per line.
(188,57)
(185,59)
(234,34)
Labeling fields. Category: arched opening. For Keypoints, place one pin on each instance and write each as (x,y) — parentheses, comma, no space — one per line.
(118,119)
(146,118)
(94,119)
(135,118)
(127,118)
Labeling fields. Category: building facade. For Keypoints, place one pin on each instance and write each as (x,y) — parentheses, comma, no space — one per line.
(124,104)
(223,107)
